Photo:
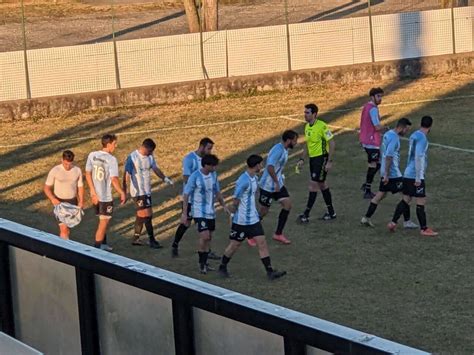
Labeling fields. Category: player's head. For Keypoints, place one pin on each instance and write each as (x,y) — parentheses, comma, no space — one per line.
(255,162)
(210,162)
(205,146)
(403,126)
(68,158)
(376,95)
(426,122)
(109,142)
(310,112)
(148,146)
(289,138)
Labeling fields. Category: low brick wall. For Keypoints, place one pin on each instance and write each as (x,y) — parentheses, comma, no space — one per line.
(203,89)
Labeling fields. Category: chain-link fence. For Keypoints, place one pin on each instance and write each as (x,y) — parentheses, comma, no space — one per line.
(64,47)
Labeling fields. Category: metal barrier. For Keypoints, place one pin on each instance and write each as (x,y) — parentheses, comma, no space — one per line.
(53,289)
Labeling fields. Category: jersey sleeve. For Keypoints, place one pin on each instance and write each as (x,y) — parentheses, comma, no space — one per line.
(153,163)
(391,148)
(190,185)
(89,163)
(50,178)
(274,156)
(240,187)
(187,165)
(421,146)
(113,168)
(80,182)
(374,116)
(327,134)
(129,165)
(217,186)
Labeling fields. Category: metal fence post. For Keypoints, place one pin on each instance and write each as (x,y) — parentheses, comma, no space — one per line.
(453,27)
(25,56)
(371,32)
(288,48)
(118,84)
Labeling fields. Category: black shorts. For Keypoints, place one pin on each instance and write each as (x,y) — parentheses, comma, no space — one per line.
(266,197)
(188,212)
(72,201)
(142,202)
(317,168)
(411,190)
(239,232)
(104,209)
(204,224)
(373,155)
(394,185)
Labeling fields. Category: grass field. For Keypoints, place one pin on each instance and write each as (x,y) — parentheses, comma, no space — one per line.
(400,286)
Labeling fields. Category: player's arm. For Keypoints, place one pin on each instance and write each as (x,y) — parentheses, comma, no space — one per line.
(80,192)
(272,160)
(375,118)
(188,191)
(162,176)
(390,151)
(420,152)
(114,174)
(92,190)
(127,174)
(48,191)
(219,197)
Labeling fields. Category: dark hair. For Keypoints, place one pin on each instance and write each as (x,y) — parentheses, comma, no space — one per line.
(149,144)
(403,122)
(253,160)
(68,156)
(210,159)
(426,121)
(289,134)
(205,141)
(312,107)
(375,91)
(108,138)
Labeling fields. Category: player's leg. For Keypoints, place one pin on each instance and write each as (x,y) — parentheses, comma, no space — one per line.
(313,187)
(420,197)
(285,202)
(404,204)
(373,166)
(101,232)
(64,231)
(182,228)
(228,253)
(264,254)
(379,196)
(326,192)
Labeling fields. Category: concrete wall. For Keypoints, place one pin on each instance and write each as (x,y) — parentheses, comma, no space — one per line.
(248,51)
(202,89)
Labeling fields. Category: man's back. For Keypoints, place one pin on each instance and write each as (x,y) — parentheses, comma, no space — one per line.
(103,166)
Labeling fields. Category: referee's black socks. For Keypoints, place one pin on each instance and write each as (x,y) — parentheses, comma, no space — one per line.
(311,200)
(328,200)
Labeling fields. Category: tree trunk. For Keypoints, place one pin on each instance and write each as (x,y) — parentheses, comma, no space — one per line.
(191,15)
(211,15)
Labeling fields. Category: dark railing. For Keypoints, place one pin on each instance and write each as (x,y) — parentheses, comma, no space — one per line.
(298,330)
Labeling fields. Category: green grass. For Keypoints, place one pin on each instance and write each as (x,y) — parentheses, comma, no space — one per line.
(410,289)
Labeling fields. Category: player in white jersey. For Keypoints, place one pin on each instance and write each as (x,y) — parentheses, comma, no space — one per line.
(414,178)
(204,189)
(246,220)
(391,175)
(138,167)
(64,184)
(191,163)
(101,174)
(272,184)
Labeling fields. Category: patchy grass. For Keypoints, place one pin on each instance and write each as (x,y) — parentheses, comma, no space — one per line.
(400,286)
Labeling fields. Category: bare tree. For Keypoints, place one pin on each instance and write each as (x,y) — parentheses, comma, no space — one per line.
(204,14)
(192,15)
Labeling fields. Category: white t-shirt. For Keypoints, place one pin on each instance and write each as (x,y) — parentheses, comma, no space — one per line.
(64,182)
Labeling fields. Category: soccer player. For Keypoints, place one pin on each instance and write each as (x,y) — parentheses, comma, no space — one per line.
(101,174)
(204,188)
(246,221)
(320,147)
(391,179)
(370,137)
(191,163)
(64,184)
(137,171)
(272,184)
(414,178)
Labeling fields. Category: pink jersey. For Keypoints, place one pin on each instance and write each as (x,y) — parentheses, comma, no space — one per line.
(368,135)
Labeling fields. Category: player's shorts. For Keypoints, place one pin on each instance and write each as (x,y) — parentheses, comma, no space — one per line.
(317,168)
(239,232)
(373,155)
(104,209)
(394,185)
(188,211)
(411,190)
(266,197)
(205,224)
(72,201)
(142,202)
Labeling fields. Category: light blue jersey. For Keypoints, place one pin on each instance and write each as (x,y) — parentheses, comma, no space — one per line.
(139,167)
(245,190)
(391,148)
(277,158)
(191,163)
(418,148)
(103,167)
(203,189)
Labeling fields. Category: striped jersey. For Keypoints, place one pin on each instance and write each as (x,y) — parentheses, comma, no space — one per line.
(203,190)
(277,158)
(139,167)
(245,190)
